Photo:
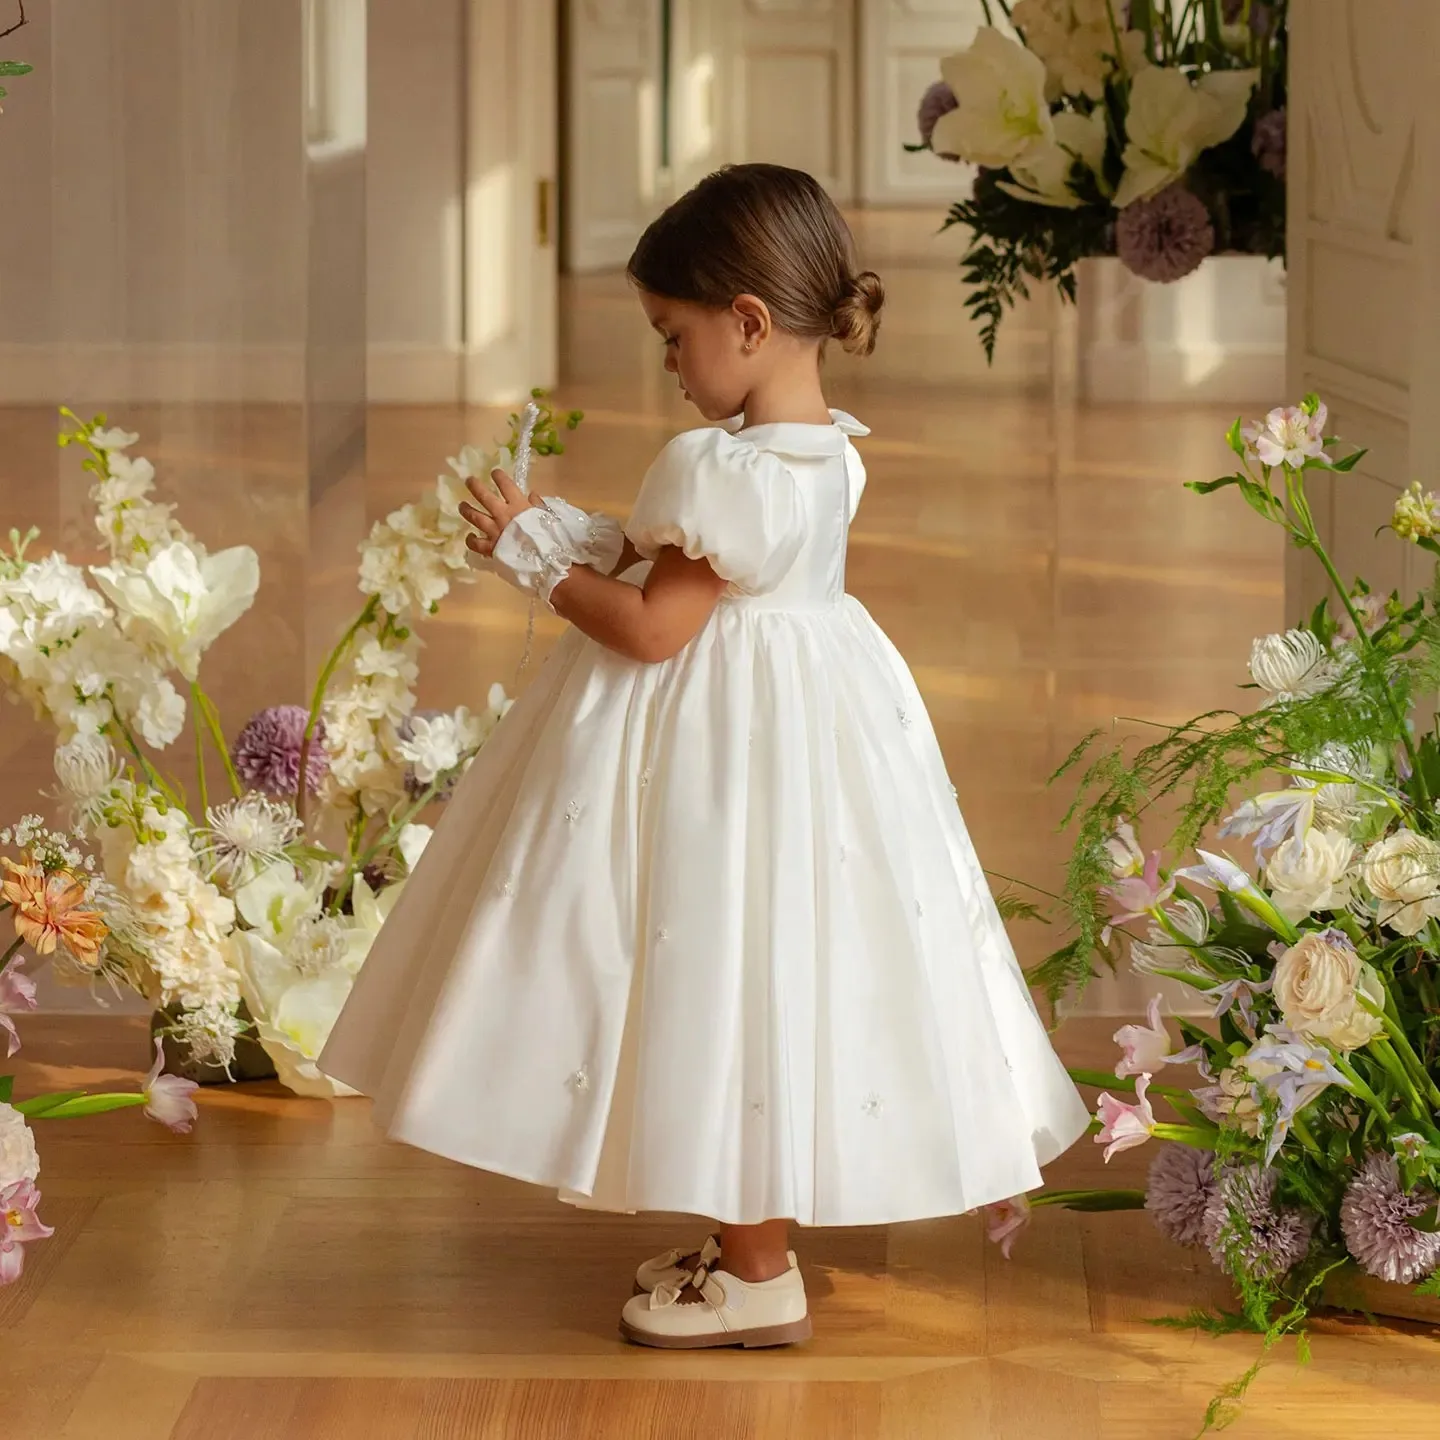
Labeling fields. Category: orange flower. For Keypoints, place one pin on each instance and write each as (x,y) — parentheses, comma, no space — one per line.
(48,911)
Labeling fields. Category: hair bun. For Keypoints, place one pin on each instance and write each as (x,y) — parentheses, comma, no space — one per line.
(856,320)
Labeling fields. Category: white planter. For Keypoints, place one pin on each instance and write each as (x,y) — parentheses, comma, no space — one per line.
(1217,336)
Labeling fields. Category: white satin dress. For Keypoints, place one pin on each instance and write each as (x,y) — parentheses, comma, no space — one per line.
(710,935)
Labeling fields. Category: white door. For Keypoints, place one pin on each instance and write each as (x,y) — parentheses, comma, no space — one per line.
(612,127)
(511,284)
(901,43)
(790,87)
(1364,271)
(694,143)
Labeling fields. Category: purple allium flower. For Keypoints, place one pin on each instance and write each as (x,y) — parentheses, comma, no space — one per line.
(1375,1218)
(1268,142)
(1165,237)
(1247,1233)
(938,100)
(267,752)
(1181,1184)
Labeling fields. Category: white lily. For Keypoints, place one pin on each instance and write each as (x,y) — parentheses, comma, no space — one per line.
(1043,177)
(1170,121)
(182,601)
(1002,115)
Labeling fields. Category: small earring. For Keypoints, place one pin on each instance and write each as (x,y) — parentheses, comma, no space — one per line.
(749,345)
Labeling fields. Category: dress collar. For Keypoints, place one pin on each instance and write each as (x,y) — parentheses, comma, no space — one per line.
(786,437)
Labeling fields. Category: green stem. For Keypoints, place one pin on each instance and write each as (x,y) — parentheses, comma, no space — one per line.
(10,954)
(217,736)
(1104,1080)
(1300,1128)
(387,837)
(196,715)
(318,698)
(1295,489)
(1414,1066)
(1384,1052)
(155,778)
(1361,1088)
(1198,1136)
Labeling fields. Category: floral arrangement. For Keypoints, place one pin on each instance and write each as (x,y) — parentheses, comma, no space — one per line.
(48,893)
(1305,1136)
(245,914)
(1140,128)
(10,68)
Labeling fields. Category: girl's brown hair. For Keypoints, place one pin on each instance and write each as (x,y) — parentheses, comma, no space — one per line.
(766,231)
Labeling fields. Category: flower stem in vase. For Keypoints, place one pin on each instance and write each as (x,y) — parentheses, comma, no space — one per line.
(317,700)
(10,954)
(195,709)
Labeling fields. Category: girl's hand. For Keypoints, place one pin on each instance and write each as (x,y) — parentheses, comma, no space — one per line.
(493,512)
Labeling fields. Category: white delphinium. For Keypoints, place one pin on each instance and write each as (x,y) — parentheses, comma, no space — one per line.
(1292,666)
(372,694)
(244,836)
(438,744)
(129,521)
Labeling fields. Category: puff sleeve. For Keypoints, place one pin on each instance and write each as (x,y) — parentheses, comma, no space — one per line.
(716,495)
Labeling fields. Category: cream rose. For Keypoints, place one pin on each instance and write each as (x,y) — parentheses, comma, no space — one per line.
(19,1159)
(1310,874)
(1318,985)
(1403,874)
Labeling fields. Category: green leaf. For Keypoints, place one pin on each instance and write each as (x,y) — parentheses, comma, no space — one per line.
(7,1088)
(1209,487)
(1234,439)
(1428,1221)
(77,1106)
(14,67)
(38,1106)
(1012,907)
(1345,466)
(1430,1286)
(1091,1202)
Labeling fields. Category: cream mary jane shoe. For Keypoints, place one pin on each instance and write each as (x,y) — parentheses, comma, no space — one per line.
(675,1267)
(714,1308)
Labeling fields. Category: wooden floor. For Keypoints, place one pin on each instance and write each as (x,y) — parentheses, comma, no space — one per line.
(283,1274)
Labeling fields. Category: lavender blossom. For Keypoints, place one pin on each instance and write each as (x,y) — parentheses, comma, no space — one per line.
(938,100)
(267,751)
(1181,1186)
(1248,1234)
(1375,1218)
(1165,237)
(1268,143)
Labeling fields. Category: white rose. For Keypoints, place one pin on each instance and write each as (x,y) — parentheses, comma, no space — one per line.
(1318,982)
(1402,872)
(1237,1099)
(1001,114)
(1310,874)
(19,1160)
(1170,121)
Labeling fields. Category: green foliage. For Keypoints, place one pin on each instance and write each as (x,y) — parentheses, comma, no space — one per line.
(546,437)
(1015,242)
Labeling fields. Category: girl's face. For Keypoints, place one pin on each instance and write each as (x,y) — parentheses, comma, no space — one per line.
(715,354)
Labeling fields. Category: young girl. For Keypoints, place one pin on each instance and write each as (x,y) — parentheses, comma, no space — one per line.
(702,929)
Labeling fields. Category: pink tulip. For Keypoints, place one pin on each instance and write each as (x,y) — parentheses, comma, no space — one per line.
(17,992)
(1122,1126)
(1146,1047)
(19,1225)
(168,1096)
(1005,1221)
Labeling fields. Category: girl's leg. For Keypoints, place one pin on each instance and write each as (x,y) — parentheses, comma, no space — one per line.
(756,1252)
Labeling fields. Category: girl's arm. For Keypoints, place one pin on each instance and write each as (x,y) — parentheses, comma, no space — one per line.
(648,625)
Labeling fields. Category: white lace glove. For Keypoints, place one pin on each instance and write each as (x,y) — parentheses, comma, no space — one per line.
(538,547)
